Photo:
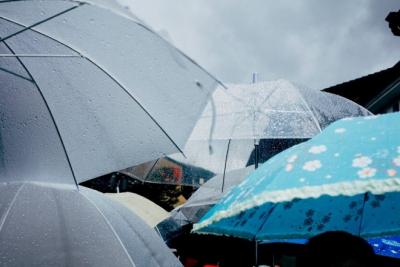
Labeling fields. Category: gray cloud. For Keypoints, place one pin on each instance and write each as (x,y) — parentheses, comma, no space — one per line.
(314,43)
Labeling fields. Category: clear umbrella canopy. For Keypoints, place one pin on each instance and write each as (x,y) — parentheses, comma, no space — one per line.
(46,224)
(210,193)
(245,124)
(87,91)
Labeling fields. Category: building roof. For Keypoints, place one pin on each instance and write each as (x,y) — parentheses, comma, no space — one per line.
(365,89)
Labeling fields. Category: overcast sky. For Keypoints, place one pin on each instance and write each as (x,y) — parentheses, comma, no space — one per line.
(310,42)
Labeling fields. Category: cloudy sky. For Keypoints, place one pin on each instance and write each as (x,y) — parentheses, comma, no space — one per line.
(311,42)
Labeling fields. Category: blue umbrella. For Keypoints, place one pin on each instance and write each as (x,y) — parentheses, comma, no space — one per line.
(388,246)
(346,178)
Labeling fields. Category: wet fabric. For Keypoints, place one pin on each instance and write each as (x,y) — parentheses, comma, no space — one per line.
(46,224)
(88,89)
(346,178)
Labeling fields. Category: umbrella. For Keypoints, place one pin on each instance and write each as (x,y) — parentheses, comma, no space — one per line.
(147,210)
(210,193)
(388,246)
(346,178)
(247,124)
(87,89)
(180,221)
(44,224)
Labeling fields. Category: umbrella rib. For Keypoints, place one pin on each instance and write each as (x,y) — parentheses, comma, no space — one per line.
(226,160)
(265,220)
(51,114)
(151,169)
(111,77)
(40,22)
(4,218)
(362,214)
(112,229)
(37,55)
(312,114)
(15,74)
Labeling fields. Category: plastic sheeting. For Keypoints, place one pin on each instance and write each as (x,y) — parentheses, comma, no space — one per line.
(56,225)
(266,117)
(90,91)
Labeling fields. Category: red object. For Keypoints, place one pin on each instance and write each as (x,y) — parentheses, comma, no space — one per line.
(177,173)
(190,262)
(210,265)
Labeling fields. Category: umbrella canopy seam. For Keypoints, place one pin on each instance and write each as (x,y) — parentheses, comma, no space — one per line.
(110,76)
(112,229)
(312,114)
(4,218)
(15,74)
(50,113)
(40,22)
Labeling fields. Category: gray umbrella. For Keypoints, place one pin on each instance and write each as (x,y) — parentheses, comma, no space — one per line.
(87,89)
(45,224)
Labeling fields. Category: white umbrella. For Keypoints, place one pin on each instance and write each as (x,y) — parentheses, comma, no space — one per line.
(147,210)
(87,89)
(45,224)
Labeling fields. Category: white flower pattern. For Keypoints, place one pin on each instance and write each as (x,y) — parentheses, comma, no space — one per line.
(396,161)
(391,172)
(289,167)
(340,130)
(366,172)
(312,165)
(292,158)
(361,161)
(317,149)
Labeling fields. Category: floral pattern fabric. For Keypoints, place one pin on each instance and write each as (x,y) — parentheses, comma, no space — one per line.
(347,177)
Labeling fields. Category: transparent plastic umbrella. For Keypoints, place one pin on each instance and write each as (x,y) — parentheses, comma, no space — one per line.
(245,125)
(88,89)
(45,224)
(210,193)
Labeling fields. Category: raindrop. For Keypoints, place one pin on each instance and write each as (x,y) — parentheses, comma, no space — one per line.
(198,83)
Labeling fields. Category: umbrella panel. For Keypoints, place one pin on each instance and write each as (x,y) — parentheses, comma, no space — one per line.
(70,52)
(360,215)
(27,129)
(57,225)
(110,41)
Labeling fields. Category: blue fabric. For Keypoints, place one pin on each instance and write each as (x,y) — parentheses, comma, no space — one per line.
(388,246)
(323,184)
